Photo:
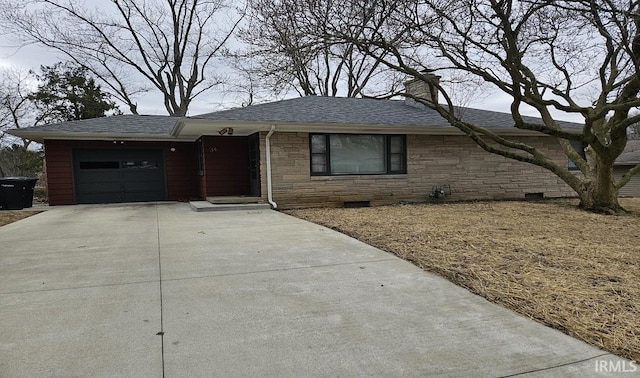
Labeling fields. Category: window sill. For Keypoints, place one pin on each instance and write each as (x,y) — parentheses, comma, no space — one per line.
(359,177)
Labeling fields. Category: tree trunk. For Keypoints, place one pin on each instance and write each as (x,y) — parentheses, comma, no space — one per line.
(600,194)
(179,110)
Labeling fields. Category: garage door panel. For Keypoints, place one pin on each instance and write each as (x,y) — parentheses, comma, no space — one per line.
(141,175)
(143,196)
(98,176)
(103,176)
(140,186)
(99,197)
(100,187)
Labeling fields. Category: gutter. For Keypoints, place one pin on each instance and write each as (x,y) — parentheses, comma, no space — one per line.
(67,135)
(255,126)
(269,188)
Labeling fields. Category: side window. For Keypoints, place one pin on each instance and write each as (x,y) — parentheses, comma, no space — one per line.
(397,154)
(319,153)
(579,146)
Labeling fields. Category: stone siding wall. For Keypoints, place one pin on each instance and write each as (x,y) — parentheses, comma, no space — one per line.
(471,172)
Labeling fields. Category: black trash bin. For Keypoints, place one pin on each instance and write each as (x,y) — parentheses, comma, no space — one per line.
(16,192)
(30,184)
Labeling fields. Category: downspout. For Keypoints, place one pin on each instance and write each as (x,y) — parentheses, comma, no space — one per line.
(269,189)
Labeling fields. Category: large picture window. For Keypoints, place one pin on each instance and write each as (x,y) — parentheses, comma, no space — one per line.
(357,154)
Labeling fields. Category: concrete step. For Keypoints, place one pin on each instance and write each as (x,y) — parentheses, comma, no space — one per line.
(201,206)
(224,200)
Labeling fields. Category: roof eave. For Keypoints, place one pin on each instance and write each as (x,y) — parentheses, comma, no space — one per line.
(39,136)
(178,132)
(185,125)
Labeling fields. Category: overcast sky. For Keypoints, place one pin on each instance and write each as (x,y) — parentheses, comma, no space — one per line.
(31,57)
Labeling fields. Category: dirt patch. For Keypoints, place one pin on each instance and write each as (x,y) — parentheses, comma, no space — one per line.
(9,216)
(572,270)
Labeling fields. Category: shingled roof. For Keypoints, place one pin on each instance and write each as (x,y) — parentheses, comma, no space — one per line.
(361,111)
(311,110)
(118,124)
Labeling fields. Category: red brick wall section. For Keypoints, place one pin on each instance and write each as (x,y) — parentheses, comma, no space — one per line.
(59,172)
(180,167)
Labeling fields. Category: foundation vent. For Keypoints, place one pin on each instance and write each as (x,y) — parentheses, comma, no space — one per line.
(356,204)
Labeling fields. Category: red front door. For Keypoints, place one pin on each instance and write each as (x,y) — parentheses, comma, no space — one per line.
(226,165)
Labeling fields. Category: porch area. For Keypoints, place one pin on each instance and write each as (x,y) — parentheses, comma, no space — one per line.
(229,166)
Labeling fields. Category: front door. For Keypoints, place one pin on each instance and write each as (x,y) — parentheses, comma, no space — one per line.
(226,165)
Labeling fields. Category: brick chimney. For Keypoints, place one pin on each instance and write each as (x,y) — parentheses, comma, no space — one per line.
(420,88)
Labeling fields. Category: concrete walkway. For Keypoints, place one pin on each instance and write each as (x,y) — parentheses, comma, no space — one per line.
(157,289)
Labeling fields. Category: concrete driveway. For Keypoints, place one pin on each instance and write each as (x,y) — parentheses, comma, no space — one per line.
(159,290)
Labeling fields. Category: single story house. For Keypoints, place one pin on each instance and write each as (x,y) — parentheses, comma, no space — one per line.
(629,158)
(302,152)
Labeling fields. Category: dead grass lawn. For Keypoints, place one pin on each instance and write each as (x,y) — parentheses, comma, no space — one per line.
(9,216)
(575,271)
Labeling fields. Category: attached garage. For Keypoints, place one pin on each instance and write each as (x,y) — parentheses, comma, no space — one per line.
(105,172)
(124,158)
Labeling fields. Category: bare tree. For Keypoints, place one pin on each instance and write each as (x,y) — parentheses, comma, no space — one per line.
(288,39)
(17,111)
(577,57)
(245,86)
(132,46)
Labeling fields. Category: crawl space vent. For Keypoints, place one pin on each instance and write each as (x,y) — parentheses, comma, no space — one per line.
(354,204)
(533,196)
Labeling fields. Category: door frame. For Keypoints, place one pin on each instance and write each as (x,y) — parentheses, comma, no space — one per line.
(254,165)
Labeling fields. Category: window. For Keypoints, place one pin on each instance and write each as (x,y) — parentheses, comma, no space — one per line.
(579,147)
(319,158)
(357,154)
(140,164)
(99,165)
